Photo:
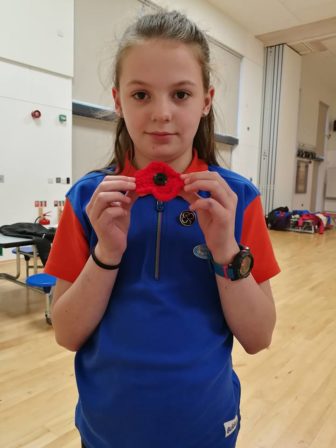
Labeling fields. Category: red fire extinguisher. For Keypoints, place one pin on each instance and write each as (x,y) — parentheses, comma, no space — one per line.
(44,220)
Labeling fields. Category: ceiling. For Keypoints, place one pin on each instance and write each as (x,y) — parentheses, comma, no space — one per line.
(307,26)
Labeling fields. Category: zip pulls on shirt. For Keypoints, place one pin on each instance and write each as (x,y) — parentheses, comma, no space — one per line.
(159,209)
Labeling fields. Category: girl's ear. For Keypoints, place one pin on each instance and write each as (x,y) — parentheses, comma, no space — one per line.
(208,100)
(117,103)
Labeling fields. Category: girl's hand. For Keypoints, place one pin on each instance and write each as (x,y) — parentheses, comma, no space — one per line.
(109,213)
(216,214)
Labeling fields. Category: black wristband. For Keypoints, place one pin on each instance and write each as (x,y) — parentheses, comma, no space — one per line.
(109,267)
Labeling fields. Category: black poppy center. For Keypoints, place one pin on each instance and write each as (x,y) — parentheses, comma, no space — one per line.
(160,179)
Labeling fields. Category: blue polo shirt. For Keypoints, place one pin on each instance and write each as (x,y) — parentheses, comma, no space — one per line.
(157,371)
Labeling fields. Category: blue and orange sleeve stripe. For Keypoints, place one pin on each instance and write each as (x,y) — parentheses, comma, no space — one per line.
(255,235)
(70,248)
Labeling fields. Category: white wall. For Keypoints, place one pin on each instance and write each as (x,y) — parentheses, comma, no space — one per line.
(330,204)
(96,38)
(287,129)
(38,33)
(93,143)
(36,60)
(245,157)
(313,90)
(32,150)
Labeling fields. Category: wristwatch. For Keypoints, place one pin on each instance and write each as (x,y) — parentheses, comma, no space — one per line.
(240,267)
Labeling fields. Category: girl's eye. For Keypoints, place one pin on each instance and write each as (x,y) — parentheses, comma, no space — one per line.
(181,95)
(140,95)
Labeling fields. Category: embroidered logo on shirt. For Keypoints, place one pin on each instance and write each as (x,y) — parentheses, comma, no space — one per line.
(187,218)
(201,251)
(230,426)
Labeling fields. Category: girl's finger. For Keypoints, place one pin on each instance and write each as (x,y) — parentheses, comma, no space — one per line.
(114,212)
(189,197)
(206,175)
(133,197)
(104,200)
(116,184)
(123,178)
(225,197)
(207,204)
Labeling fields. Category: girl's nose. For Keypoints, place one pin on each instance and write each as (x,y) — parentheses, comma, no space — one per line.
(161,111)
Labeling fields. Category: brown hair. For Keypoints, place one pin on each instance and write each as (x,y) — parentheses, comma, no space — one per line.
(173,26)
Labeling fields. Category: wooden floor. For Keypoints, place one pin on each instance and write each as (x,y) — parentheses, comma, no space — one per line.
(288,391)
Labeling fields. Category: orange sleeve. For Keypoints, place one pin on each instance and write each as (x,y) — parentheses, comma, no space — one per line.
(70,248)
(255,235)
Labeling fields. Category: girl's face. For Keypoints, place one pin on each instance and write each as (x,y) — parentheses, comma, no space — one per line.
(161,98)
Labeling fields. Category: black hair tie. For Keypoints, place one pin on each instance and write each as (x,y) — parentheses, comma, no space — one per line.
(109,267)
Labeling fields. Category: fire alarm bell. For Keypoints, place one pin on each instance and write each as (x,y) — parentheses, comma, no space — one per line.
(36,114)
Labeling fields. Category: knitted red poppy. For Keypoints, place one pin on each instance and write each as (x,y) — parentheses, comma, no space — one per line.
(160,180)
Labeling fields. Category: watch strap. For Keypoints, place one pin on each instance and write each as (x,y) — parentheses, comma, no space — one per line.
(228,271)
(223,270)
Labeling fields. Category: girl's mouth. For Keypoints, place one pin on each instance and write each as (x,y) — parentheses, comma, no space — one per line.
(160,133)
(159,136)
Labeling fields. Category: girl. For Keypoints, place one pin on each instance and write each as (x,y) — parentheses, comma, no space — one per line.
(150,293)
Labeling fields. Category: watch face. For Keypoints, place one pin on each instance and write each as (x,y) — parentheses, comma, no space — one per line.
(240,267)
(246,265)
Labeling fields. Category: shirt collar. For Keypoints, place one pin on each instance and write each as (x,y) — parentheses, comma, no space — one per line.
(195,166)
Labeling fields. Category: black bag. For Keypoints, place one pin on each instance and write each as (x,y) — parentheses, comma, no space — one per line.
(41,236)
(279,218)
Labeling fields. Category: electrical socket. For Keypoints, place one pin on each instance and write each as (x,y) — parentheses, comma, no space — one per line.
(50,180)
